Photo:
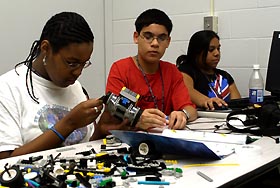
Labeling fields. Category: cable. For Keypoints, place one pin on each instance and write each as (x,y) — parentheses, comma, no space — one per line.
(277,141)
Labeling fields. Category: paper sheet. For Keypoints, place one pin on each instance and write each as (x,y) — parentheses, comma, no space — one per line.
(206,136)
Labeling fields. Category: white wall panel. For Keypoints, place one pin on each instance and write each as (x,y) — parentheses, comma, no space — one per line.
(124,50)
(238,53)
(226,5)
(186,25)
(269,3)
(263,50)
(252,23)
(123,31)
(22,23)
(244,26)
(127,9)
(224,26)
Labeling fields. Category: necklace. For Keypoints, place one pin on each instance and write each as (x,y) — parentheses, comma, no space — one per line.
(38,74)
(149,86)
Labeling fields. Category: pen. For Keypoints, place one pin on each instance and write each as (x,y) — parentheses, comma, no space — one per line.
(154,182)
(204,176)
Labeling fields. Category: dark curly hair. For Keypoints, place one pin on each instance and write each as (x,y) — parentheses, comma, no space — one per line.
(153,16)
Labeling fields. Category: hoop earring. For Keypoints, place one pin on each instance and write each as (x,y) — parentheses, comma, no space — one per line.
(44,61)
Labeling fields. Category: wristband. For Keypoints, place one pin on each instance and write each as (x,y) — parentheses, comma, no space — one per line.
(187,114)
(57,133)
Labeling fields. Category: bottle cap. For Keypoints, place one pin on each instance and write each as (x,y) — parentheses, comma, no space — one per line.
(256,66)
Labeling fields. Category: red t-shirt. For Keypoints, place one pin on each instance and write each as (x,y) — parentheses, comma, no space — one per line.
(124,73)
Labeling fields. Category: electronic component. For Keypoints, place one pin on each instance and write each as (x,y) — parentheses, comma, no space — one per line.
(123,106)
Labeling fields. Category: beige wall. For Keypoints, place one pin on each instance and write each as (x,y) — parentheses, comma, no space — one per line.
(22,22)
(245,28)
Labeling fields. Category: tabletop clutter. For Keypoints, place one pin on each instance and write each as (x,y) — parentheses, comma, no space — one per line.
(116,166)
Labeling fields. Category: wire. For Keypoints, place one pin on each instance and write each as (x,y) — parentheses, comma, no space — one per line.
(215,128)
(277,141)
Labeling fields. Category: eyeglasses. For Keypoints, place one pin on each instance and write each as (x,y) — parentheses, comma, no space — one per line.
(75,65)
(149,37)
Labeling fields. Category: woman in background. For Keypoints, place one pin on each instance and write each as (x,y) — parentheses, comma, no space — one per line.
(206,83)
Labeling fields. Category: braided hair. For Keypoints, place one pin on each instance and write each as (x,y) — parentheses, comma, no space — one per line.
(60,30)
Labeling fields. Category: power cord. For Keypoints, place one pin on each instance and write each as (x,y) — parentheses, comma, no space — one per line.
(277,140)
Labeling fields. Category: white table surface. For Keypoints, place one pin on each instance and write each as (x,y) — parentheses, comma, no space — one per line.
(244,164)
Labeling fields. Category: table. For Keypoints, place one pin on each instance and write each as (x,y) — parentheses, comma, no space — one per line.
(242,166)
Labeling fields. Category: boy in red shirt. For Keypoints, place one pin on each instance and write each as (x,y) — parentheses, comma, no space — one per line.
(159,83)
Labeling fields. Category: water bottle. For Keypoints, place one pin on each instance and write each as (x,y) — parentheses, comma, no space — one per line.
(256,86)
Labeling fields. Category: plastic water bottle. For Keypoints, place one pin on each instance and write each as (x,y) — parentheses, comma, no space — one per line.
(256,86)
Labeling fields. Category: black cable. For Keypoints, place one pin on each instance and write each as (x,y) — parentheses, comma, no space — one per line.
(277,141)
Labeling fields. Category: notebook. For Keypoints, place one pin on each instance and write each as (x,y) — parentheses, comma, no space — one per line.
(168,145)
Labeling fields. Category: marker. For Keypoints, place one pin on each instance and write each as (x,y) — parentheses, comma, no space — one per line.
(154,182)
(204,176)
(34,183)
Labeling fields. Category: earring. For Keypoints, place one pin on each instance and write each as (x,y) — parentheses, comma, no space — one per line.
(44,61)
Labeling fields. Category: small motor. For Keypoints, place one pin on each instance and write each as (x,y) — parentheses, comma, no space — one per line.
(123,106)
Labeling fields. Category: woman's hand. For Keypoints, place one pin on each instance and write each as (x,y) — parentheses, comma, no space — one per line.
(209,103)
(108,122)
(83,114)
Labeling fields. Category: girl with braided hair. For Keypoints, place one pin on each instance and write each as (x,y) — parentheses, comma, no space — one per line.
(42,104)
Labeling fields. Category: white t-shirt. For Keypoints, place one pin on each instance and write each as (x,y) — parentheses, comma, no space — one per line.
(22,119)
